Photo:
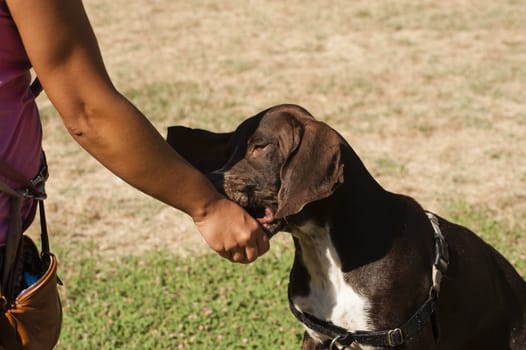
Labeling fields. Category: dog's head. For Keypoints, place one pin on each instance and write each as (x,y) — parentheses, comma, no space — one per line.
(273,164)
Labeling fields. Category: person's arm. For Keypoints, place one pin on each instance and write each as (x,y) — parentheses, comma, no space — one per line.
(64,52)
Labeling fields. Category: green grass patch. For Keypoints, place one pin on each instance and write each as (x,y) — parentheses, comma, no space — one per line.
(161,301)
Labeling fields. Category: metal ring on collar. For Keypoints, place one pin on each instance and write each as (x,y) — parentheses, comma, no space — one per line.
(334,343)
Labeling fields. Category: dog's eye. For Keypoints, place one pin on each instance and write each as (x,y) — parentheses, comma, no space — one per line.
(258,149)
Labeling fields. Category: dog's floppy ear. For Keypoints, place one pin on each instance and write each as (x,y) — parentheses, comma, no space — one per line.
(205,150)
(312,170)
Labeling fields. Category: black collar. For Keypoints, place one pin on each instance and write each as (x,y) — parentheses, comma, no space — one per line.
(340,337)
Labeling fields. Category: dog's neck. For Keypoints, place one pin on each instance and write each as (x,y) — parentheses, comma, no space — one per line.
(369,226)
(354,238)
(370,221)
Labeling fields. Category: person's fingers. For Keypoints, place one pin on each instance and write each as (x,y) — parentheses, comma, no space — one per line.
(225,254)
(239,256)
(251,249)
(263,243)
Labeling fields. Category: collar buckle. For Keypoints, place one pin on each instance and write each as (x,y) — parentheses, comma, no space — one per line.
(395,337)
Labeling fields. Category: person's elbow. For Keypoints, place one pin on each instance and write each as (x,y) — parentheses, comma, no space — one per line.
(88,118)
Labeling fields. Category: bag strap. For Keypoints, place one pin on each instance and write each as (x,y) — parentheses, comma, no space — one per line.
(14,236)
(36,88)
(31,190)
(44,238)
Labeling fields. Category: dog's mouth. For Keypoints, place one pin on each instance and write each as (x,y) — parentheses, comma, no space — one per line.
(266,218)
(262,210)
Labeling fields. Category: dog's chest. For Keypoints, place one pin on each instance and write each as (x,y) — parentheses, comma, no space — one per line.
(330,297)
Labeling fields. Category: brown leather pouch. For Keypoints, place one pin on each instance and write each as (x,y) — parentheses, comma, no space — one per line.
(35,316)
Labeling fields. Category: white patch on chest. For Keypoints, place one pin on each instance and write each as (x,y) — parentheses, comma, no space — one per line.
(331,298)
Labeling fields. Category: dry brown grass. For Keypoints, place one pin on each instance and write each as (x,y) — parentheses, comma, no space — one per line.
(432,96)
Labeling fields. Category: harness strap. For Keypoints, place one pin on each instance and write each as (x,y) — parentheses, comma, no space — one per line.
(341,337)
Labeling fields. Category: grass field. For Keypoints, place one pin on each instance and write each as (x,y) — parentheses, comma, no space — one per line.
(431,95)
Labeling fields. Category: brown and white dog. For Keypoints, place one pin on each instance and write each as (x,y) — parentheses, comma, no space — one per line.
(366,262)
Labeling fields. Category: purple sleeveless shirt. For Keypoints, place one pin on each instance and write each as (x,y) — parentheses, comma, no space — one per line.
(20,130)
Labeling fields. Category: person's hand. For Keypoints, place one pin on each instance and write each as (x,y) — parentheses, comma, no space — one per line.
(232,232)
